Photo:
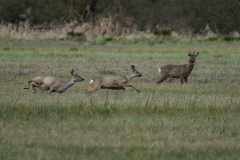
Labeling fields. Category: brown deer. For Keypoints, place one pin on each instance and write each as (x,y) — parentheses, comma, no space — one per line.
(112,82)
(177,71)
(53,84)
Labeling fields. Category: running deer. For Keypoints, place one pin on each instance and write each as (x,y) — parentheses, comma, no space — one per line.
(113,82)
(178,71)
(53,84)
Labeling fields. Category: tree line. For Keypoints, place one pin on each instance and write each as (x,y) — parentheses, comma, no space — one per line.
(221,16)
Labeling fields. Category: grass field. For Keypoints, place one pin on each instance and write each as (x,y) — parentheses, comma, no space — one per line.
(198,120)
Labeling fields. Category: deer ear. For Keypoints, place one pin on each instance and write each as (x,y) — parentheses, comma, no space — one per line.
(72,72)
(133,67)
(189,53)
(196,54)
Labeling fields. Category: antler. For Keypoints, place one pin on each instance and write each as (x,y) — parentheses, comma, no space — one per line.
(193,52)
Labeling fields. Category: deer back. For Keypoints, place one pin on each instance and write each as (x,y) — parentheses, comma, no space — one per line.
(50,81)
(109,81)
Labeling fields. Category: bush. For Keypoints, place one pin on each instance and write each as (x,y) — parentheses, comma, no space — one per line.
(237,38)
(79,34)
(229,38)
(156,32)
(107,39)
(75,34)
(71,34)
(213,38)
(164,32)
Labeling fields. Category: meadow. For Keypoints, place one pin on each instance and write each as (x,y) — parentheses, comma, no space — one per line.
(198,120)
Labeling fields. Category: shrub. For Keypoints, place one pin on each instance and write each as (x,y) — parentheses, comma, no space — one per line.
(166,32)
(156,32)
(162,32)
(73,49)
(213,38)
(79,34)
(229,38)
(6,48)
(71,34)
(75,34)
(237,38)
(108,39)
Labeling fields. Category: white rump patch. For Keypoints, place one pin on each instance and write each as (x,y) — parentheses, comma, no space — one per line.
(159,70)
(91,81)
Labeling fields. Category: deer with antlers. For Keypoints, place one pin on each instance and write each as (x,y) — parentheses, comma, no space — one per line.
(112,82)
(178,71)
(53,84)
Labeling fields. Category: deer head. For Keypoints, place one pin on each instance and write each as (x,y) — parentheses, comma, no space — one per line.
(135,72)
(76,77)
(192,56)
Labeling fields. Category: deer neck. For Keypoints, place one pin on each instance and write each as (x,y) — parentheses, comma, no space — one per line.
(190,66)
(129,77)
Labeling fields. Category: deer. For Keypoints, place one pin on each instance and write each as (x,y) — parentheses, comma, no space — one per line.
(112,82)
(53,84)
(177,71)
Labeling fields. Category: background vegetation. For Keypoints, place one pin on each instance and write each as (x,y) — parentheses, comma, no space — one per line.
(199,120)
(182,16)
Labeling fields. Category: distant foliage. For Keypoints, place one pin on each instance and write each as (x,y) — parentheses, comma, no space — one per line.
(226,38)
(162,32)
(71,34)
(229,38)
(166,32)
(107,39)
(157,32)
(75,34)
(79,34)
(6,48)
(180,15)
(213,38)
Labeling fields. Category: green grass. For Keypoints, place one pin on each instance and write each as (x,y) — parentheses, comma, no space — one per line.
(198,120)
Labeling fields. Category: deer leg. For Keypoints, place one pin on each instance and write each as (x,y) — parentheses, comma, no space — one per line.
(89,90)
(37,81)
(186,79)
(122,91)
(93,90)
(33,87)
(28,84)
(181,79)
(50,90)
(128,85)
(161,79)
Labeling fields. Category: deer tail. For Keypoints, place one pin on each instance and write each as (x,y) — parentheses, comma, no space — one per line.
(159,69)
